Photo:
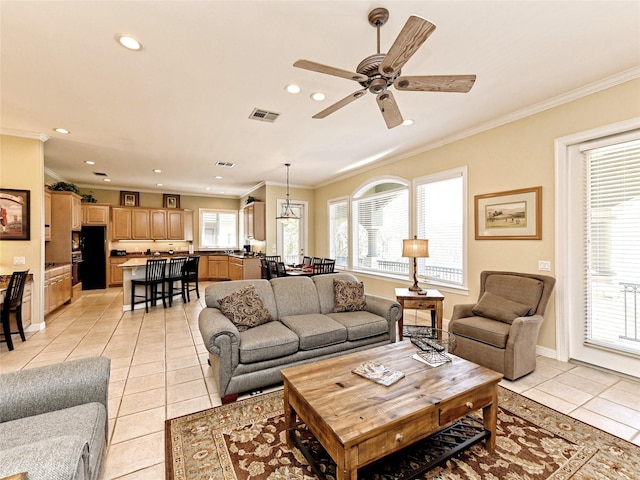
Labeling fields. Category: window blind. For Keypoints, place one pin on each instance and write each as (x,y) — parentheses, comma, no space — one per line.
(612,236)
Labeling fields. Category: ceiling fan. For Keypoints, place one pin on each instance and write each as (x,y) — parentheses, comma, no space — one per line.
(380,71)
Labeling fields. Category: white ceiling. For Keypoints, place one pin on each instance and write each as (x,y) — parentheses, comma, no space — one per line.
(183,102)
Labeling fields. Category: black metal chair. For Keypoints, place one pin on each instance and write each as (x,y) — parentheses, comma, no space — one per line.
(264,269)
(331,264)
(307,260)
(13,304)
(174,274)
(155,277)
(323,267)
(273,258)
(190,277)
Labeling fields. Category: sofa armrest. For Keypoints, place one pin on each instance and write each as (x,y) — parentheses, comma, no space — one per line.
(462,311)
(53,387)
(389,309)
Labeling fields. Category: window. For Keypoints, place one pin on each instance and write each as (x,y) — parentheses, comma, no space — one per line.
(339,232)
(440,210)
(381,222)
(291,235)
(218,229)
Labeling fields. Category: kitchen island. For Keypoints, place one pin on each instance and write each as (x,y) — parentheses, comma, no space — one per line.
(133,269)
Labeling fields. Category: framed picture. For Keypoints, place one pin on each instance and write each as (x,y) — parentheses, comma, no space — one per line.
(15,213)
(129,199)
(170,200)
(510,215)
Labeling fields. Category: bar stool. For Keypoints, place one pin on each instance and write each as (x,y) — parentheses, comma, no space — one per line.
(155,276)
(190,277)
(13,304)
(176,266)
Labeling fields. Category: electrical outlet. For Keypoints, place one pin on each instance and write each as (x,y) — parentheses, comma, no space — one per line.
(544,265)
(19,260)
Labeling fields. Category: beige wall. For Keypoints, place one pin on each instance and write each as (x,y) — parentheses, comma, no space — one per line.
(22,168)
(513,156)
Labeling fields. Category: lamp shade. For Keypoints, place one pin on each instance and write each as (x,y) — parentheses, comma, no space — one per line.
(415,248)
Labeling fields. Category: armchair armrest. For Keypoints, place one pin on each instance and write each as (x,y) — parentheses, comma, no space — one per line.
(462,311)
(386,308)
(53,387)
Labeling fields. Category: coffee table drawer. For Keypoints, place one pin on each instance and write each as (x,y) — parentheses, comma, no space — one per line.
(396,438)
(420,304)
(456,409)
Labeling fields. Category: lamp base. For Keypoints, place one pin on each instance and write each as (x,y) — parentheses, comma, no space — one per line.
(415,288)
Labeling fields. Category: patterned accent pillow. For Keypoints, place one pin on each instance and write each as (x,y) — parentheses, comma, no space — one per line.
(244,308)
(348,296)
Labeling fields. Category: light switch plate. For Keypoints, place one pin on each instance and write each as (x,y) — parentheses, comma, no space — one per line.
(19,260)
(544,265)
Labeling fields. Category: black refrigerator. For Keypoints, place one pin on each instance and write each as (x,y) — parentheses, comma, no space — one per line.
(93,269)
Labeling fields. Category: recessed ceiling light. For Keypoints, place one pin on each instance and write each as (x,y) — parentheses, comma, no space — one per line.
(89,162)
(157,170)
(407,122)
(207,188)
(218,177)
(159,184)
(106,179)
(318,96)
(64,131)
(129,42)
(293,88)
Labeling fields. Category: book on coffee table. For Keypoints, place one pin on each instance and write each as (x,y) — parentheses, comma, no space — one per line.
(378,373)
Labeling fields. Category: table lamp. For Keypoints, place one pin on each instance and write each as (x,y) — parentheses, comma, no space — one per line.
(415,248)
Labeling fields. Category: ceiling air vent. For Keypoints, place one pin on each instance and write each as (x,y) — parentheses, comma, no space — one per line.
(264,115)
(100,174)
(225,164)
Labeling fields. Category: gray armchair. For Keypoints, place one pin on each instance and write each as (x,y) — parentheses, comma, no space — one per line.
(500,331)
(53,420)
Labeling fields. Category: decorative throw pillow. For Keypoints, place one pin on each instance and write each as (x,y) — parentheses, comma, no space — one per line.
(348,296)
(244,308)
(499,308)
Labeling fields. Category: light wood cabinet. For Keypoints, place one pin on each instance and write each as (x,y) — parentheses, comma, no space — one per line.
(65,210)
(203,267)
(76,213)
(94,214)
(244,268)
(47,216)
(57,287)
(254,221)
(218,266)
(140,225)
(158,224)
(115,272)
(175,225)
(120,223)
(187,219)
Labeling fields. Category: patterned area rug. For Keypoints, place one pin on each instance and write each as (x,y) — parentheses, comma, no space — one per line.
(246,440)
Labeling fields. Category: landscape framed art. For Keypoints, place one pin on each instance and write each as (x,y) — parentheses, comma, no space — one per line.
(509,215)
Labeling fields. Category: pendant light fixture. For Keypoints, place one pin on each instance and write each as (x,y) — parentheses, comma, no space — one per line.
(287,215)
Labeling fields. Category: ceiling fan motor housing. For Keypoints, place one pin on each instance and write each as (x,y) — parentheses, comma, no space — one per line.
(376,83)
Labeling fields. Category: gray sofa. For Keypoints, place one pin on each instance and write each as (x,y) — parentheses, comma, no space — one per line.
(305,329)
(53,420)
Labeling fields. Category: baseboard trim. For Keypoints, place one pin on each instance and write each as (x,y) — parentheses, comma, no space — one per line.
(546,352)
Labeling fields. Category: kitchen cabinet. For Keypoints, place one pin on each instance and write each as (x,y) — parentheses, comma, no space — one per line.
(244,268)
(115,272)
(57,287)
(254,221)
(140,224)
(158,224)
(120,223)
(65,212)
(95,214)
(218,266)
(76,213)
(203,267)
(187,219)
(47,216)
(175,225)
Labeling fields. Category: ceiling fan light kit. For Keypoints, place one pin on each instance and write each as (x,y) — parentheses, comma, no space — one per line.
(378,72)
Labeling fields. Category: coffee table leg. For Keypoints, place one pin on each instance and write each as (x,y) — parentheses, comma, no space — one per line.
(289,415)
(490,420)
(350,461)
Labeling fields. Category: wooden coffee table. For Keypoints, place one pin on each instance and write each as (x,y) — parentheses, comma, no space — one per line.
(358,421)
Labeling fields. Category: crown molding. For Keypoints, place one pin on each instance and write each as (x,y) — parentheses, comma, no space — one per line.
(18,133)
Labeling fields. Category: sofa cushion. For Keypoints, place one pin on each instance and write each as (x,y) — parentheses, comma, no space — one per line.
(315,330)
(244,308)
(361,324)
(85,422)
(482,329)
(295,296)
(348,296)
(499,308)
(523,290)
(267,341)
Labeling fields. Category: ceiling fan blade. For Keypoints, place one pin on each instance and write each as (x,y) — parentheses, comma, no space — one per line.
(436,83)
(389,109)
(337,72)
(338,105)
(413,34)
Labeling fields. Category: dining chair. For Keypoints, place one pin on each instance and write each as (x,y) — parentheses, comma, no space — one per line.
(13,304)
(331,264)
(316,260)
(321,268)
(274,258)
(307,260)
(264,269)
(154,277)
(174,274)
(190,277)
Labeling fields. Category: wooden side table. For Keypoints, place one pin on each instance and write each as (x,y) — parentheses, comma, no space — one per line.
(432,300)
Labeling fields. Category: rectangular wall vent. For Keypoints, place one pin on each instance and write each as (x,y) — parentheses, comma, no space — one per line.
(264,115)
(225,164)
(100,174)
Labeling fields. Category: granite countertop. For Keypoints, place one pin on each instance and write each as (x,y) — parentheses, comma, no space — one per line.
(4,280)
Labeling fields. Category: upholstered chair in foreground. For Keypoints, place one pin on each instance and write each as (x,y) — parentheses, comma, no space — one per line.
(500,331)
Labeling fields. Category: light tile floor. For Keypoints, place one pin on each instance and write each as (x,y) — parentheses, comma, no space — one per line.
(159,370)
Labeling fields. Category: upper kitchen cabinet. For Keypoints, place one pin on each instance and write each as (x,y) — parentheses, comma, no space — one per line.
(175,225)
(140,224)
(134,223)
(254,221)
(47,215)
(158,224)
(95,214)
(120,223)
(76,213)
(66,216)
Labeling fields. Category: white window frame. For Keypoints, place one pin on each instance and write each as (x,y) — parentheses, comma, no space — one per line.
(201,212)
(335,201)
